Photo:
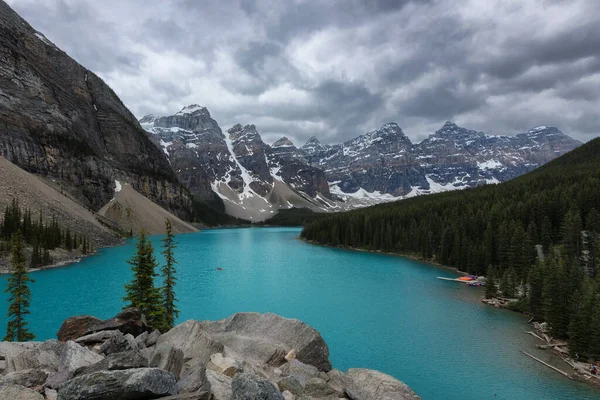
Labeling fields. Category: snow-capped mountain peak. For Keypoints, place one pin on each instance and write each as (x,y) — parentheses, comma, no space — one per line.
(191,109)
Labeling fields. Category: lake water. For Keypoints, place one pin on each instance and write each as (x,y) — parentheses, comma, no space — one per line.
(374,311)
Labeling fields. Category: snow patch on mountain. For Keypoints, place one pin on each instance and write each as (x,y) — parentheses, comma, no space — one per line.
(190,109)
(43,39)
(490,164)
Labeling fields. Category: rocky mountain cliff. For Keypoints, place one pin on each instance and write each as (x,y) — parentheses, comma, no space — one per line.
(255,180)
(61,121)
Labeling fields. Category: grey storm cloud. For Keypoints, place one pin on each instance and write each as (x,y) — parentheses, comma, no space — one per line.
(336,69)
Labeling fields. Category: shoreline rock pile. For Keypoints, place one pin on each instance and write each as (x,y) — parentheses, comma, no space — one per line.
(244,357)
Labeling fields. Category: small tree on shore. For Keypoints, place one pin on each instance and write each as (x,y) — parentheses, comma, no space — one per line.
(141,292)
(19,294)
(168,273)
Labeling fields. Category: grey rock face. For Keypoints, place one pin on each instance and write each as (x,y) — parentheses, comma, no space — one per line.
(368,384)
(267,338)
(247,387)
(291,384)
(220,385)
(44,356)
(14,392)
(117,361)
(185,350)
(62,121)
(139,383)
(29,378)
(73,358)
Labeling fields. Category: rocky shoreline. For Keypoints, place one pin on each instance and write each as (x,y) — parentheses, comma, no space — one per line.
(246,356)
(580,370)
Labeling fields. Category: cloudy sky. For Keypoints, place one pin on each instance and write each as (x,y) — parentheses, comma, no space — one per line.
(335,69)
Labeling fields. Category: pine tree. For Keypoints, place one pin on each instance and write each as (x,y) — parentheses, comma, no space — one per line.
(19,294)
(141,292)
(594,339)
(491,290)
(581,317)
(535,293)
(168,274)
(556,297)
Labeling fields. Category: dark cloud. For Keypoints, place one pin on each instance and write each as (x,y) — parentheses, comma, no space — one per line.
(336,69)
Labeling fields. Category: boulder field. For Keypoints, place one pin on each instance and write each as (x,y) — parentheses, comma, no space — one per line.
(247,356)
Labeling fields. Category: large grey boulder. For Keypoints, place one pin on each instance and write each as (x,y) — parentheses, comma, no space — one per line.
(29,378)
(185,351)
(291,384)
(13,349)
(224,365)
(193,380)
(247,387)
(302,372)
(132,384)
(97,337)
(220,385)
(168,357)
(44,356)
(117,361)
(73,357)
(267,338)
(317,387)
(367,384)
(17,392)
(194,343)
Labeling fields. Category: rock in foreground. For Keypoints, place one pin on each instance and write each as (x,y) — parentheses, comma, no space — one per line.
(248,356)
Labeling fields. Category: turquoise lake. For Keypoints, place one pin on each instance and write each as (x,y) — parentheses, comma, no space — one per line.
(374,311)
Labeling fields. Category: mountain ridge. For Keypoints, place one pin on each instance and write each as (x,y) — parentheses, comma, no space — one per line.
(379,166)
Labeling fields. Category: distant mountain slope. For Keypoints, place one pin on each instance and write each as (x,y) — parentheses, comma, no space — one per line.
(385,162)
(133,212)
(60,120)
(37,195)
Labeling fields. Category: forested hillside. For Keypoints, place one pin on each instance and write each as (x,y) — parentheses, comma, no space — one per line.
(495,228)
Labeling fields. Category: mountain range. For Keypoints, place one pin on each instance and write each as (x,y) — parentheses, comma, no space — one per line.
(255,179)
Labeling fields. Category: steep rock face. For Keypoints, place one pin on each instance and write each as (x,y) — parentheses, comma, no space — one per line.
(59,119)
(250,152)
(252,178)
(378,161)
